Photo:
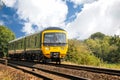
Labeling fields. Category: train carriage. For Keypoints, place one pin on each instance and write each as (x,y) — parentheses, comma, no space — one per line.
(51,44)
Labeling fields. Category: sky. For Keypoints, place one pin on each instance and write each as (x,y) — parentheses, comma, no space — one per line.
(80,18)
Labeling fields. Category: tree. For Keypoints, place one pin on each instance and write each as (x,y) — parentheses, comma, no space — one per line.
(114,55)
(107,48)
(5,36)
(97,35)
(79,53)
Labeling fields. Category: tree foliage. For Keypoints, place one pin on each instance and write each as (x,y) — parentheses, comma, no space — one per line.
(79,53)
(98,48)
(114,55)
(5,36)
(97,35)
(106,48)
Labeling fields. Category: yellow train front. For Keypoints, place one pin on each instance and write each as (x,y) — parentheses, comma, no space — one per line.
(54,44)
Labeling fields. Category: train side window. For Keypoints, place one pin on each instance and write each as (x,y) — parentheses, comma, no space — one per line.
(18,44)
(28,42)
(12,46)
(9,47)
(21,44)
(36,41)
(15,46)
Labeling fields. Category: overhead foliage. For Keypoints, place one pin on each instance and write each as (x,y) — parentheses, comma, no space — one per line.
(5,36)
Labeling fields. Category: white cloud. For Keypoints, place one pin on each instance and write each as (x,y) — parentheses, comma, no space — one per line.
(42,13)
(96,16)
(28,28)
(79,2)
(99,16)
(9,3)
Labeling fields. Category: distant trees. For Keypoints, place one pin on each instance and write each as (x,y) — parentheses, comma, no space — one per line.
(79,53)
(114,55)
(94,50)
(5,36)
(97,35)
(107,48)
(100,48)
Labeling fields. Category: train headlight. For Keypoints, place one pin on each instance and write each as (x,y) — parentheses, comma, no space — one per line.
(47,48)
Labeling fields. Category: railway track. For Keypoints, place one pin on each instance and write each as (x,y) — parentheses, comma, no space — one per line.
(91,69)
(86,72)
(37,72)
(74,71)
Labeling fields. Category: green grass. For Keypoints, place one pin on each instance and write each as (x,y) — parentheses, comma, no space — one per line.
(112,66)
(101,65)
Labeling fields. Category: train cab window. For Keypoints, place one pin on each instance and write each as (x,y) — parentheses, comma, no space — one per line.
(54,38)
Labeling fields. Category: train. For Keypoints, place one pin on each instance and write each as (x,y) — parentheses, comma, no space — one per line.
(48,45)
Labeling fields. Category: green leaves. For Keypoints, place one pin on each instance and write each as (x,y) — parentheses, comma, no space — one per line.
(5,36)
(79,53)
(94,50)
(106,48)
(97,35)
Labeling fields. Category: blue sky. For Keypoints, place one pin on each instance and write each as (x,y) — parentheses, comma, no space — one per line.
(11,19)
(80,18)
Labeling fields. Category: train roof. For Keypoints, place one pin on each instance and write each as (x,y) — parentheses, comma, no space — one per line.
(24,36)
(16,39)
(54,28)
(49,28)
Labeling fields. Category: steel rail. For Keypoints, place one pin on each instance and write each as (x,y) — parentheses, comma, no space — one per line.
(54,72)
(88,68)
(25,70)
